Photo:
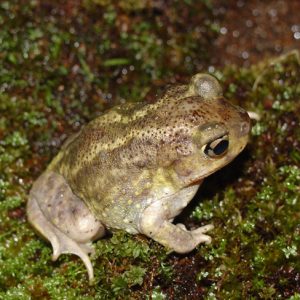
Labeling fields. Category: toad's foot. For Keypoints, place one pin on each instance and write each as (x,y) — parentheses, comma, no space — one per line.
(62,218)
(198,233)
(175,237)
(60,242)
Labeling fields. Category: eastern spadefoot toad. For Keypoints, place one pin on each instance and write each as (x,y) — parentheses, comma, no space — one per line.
(136,167)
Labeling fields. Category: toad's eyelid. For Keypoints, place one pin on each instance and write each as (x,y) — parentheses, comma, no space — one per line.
(222,135)
(214,126)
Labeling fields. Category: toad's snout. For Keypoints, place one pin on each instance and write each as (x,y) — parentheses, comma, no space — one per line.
(244,126)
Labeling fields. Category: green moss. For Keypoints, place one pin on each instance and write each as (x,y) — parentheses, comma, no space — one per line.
(157,294)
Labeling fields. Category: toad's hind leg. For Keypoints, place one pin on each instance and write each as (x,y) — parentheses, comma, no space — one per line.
(62,218)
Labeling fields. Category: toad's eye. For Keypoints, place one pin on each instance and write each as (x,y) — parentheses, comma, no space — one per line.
(217,147)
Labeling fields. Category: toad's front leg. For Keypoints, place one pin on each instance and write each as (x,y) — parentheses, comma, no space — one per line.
(154,222)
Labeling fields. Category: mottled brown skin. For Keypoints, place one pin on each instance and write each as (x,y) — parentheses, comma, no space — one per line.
(136,167)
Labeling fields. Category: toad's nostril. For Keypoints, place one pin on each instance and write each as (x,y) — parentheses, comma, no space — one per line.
(244,128)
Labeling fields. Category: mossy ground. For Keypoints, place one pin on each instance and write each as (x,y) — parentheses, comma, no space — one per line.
(60,66)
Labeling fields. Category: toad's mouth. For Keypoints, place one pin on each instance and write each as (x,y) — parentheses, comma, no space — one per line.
(197,180)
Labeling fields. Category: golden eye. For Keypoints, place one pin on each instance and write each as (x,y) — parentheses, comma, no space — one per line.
(217,148)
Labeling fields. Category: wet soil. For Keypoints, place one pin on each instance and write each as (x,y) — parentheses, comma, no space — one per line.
(254,30)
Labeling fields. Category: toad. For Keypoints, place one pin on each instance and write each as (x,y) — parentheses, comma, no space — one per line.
(136,167)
